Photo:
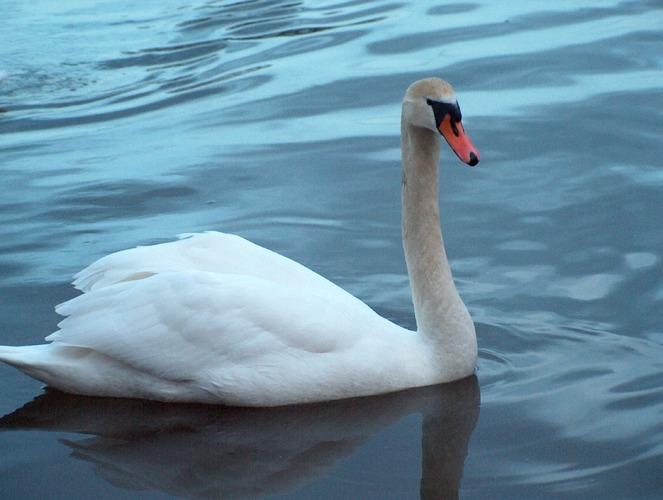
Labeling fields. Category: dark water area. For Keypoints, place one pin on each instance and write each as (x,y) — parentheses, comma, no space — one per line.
(125,125)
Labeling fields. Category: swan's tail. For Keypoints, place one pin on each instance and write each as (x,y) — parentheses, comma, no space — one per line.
(29,359)
(55,365)
(80,370)
(21,355)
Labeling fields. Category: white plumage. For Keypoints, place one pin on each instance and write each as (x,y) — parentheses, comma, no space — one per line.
(214,318)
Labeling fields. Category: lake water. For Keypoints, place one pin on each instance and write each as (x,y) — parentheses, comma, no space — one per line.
(127,123)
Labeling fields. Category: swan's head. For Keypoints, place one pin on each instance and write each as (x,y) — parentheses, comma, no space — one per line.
(431,103)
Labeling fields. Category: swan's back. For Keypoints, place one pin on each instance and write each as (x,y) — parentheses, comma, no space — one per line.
(210,251)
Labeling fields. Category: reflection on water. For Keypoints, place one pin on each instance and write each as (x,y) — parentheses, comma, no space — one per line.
(126,123)
(199,451)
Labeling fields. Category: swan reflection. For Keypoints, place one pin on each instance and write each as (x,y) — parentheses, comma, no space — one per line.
(225,452)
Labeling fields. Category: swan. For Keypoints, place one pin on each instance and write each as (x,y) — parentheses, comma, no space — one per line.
(214,318)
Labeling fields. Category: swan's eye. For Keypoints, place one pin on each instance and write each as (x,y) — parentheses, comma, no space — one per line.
(442,109)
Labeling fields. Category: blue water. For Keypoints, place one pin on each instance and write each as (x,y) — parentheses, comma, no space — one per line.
(127,123)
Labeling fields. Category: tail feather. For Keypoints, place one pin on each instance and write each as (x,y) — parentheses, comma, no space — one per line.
(60,366)
(20,356)
(84,371)
(30,359)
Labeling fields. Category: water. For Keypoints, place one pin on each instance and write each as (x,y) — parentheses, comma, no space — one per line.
(127,124)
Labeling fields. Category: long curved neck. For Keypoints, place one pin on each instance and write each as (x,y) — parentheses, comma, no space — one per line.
(439,311)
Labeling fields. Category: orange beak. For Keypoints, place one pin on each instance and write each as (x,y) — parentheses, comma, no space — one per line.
(458,140)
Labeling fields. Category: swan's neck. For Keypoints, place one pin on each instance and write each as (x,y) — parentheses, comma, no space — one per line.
(440,313)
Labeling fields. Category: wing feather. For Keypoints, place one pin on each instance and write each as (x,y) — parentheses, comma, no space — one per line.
(211,252)
(182,323)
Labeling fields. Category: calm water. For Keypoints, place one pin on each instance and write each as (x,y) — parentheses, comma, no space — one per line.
(126,123)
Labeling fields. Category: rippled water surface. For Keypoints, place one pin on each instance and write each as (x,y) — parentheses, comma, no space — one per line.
(127,123)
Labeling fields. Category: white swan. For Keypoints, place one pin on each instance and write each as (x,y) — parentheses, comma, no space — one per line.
(214,318)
